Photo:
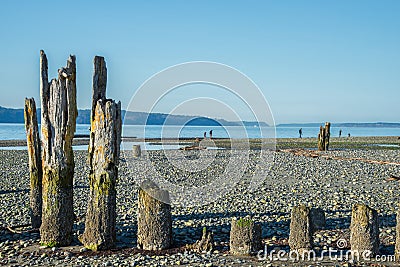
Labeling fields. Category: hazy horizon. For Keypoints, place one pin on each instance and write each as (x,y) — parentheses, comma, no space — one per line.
(294,123)
(313,61)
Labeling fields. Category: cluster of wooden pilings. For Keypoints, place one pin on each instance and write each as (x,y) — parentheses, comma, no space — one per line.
(364,230)
(51,159)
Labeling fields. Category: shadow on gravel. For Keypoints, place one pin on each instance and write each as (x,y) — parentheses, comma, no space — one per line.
(208,215)
(3,192)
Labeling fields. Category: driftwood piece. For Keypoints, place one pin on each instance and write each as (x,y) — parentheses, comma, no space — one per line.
(58,122)
(104,150)
(193,148)
(323,137)
(154,218)
(12,229)
(364,230)
(35,162)
(392,178)
(206,243)
(245,237)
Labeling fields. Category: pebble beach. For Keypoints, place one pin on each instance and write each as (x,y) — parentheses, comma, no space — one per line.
(330,183)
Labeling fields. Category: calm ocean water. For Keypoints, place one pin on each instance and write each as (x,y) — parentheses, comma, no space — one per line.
(17,131)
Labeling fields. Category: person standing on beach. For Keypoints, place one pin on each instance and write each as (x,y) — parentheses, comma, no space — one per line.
(349,134)
(205,135)
(301,132)
(340,133)
(211,134)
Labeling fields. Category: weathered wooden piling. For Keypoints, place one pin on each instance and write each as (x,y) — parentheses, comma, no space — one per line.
(301,229)
(323,137)
(58,122)
(245,237)
(136,151)
(104,150)
(154,218)
(364,230)
(35,162)
(397,245)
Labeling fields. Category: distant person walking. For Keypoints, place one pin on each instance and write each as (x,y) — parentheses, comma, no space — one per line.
(349,134)
(300,132)
(340,133)
(211,134)
(205,135)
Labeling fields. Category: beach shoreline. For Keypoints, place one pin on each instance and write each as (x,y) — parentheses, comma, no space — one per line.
(333,185)
(308,142)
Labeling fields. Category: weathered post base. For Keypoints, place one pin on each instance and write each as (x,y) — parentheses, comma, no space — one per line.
(136,151)
(57,213)
(364,230)
(397,246)
(245,237)
(154,218)
(301,229)
(206,243)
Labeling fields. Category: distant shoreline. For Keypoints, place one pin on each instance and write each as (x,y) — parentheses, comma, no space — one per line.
(251,124)
(355,142)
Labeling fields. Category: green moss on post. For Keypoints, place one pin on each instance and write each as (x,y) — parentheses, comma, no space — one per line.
(245,237)
(243,222)
(105,139)
(35,162)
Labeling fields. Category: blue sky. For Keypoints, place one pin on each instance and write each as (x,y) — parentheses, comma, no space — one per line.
(313,60)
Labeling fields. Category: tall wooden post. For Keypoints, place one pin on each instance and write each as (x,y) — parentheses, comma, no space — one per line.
(323,137)
(104,150)
(58,125)
(35,162)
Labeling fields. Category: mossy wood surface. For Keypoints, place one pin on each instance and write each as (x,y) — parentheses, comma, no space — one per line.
(154,218)
(397,245)
(245,237)
(35,162)
(104,150)
(301,229)
(364,229)
(58,123)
